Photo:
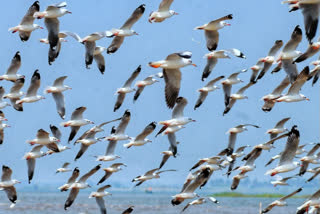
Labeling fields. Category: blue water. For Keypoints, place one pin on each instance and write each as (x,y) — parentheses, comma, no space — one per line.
(158,203)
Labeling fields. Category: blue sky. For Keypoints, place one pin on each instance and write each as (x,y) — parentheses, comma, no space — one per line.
(255,27)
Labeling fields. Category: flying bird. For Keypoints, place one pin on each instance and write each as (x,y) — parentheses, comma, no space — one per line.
(56,90)
(163,12)
(313,200)
(281,181)
(311,157)
(227,85)
(211,31)
(7,184)
(212,59)
(151,174)
(150,80)
(71,180)
(43,138)
(31,160)
(278,129)
(204,91)
(64,168)
(3,104)
(194,202)
(116,167)
(129,210)
(26,25)
(172,74)
(141,139)
(98,195)
(15,94)
(125,30)
(15,64)
(126,88)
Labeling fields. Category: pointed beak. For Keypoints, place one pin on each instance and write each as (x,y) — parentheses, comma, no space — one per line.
(308,99)
(194,65)
(41,27)
(175,13)
(228,24)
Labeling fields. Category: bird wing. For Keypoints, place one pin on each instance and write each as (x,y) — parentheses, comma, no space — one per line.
(31,165)
(172,79)
(59,81)
(211,63)
(290,68)
(74,131)
(150,172)
(72,196)
(124,123)
(53,27)
(99,59)
(88,174)
(60,105)
(284,83)
(11,193)
(15,64)
(181,103)
(55,131)
(202,96)
(281,123)
(132,77)
(102,206)
(82,150)
(120,99)
(311,17)
(115,44)
(275,48)
(227,92)
(165,5)
(165,158)
(6,173)
(135,16)
(34,84)
(138,92)
(147,130)
(28,17)
(299,82)
(77,113)
(65,165)
(105,177)
(42,134)
(294,41)
(212,82)
(212,39)
(173,143)
(242,90)
(74,176)
(291,147)
(111,147)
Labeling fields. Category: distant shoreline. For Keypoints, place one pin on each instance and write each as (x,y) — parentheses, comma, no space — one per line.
(261,195)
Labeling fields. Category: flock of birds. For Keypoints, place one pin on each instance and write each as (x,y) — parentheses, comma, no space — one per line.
(285,58)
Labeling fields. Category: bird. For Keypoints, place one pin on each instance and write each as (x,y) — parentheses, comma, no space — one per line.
(71,180)
(316,172)
(310,11)
(190,186)
(270,99)
(278,129)
(141,139)
(2,126)
(15,94)
(117,134)
(3,104)
(227,85)
(92,51)
(309,158)
(76,122)
(237,96)
(56,89)
(116,167)
(269,60)
(126,88)
(150,80)
(313,200)
(163,12)
(281,181)
(86,141)
(233,136)
(172,74)
(128,210)
(166,155)
(313,48)
(98,195)
(64,168)
(79,184)
(53,11)
(286,163)
(211,31)
(7,184)
(178,120)
(151,174)
(255,70)
(31,95)
(204,91)
(31,160)
(280,202)
(238,153)
(236,180)
(289,52)
(57,134)
(125,30)
(15,64)
(314,73)
(212,160)
(212,59)
(293,94)
(43,138)
(26,25)
(194,202)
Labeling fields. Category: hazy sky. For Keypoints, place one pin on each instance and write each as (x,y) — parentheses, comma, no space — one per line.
(255,27)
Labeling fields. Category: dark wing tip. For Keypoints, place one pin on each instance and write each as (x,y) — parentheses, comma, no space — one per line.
(230,16)
(36,74)
(142,8)
(295,131)
(36,4)
(153,124)
(127,113)
(138,69)
(297,30)
(278,41)
(20,80)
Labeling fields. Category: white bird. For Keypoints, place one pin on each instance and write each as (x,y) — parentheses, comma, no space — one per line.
(166,155)
(126,88)
(194,202)
(289,53)
(293,94)
(43,138)
(311,157)
(237,96)
(7,184)
(286,163)
(281,181)
(151,174)
(163,12)
(116,167)
(313,200)
(71,180)
(216,160)
(53,11)
(211,31)
(315,73)
(99,194)
(227,85)
(64,168)
(270,99)
(125,30)
(56,90)
(2,126)
(79,184)
(150,80)
(279,128)
(141,139)
(270,59)
(32,95)
(15,94)
(76,122)
(172,74)
(117,134)
(212,59)
(57,134)
(15,64)
(280,202)
(26,25)
(31,160)
(86,141)
(204,91)
(313,48)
